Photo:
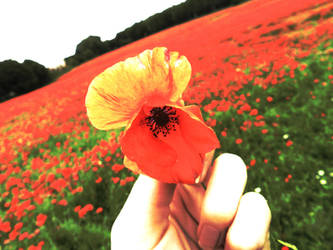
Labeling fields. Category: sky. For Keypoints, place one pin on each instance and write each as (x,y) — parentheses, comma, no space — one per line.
(47,31)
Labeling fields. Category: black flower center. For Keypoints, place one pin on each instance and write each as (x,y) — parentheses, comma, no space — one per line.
(162,120)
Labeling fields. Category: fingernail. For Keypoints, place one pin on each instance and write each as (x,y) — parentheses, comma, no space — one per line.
(208,236)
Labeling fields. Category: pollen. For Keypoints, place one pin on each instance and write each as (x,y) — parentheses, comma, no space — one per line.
(162,120)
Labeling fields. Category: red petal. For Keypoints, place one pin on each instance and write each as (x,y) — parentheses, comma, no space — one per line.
(152,156)
(176,157)
(195,110)
(189,163)
(196,132)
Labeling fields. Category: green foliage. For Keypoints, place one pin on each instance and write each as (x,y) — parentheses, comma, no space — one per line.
(301,111)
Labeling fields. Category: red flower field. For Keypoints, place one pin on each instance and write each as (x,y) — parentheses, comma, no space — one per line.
(262,76)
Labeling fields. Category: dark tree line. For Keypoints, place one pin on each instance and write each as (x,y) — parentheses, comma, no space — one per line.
(93,46)
(20,78)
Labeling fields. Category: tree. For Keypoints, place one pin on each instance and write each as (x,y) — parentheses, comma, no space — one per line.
(20,78)
(39,71)
(87,49)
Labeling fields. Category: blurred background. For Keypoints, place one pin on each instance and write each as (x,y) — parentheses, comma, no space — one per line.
(41,40)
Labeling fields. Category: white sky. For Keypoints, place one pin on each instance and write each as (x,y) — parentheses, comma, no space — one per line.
(47,31)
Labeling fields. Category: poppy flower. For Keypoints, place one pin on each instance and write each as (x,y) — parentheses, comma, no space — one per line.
(163,139)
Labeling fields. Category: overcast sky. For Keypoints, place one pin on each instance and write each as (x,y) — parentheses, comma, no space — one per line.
(47,31)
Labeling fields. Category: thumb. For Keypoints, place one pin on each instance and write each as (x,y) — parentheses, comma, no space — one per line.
(144,217)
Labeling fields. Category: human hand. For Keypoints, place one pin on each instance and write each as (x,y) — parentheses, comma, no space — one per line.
(157,215)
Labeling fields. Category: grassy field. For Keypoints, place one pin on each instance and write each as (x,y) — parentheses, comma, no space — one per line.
(262,75)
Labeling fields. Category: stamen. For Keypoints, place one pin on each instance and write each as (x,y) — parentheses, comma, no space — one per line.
(162,120)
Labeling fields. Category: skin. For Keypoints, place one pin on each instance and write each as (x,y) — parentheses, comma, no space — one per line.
(157,215)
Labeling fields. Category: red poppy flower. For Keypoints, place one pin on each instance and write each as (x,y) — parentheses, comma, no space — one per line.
(163,138)
(41,218)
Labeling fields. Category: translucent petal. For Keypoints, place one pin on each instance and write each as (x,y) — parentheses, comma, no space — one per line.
(155,76)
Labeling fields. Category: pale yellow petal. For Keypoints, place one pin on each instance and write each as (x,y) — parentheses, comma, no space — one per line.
(181,74)
(132,166)
(155,77)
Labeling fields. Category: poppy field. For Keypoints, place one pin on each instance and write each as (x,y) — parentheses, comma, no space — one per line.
(262,76)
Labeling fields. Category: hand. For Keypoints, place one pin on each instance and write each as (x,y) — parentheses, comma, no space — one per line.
(168,216)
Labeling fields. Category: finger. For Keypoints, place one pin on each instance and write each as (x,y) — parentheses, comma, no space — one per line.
(225,188)
(193,196)
(182,218)
(250,228)
(145,213)
(187,198)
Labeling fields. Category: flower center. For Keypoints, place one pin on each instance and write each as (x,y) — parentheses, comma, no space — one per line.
(162,120)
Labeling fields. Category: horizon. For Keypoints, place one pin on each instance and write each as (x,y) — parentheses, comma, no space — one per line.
(48,37)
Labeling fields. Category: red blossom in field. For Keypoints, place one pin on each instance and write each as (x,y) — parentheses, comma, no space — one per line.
(59,184)
(239,141)
(13,234)
(50,177)
(259,123)
(38,247)
(62,202)
(82,212)
(130,178)
(259,117)
(77,190)
(23,236)
(99,179)
(123,182)
(5,226)
(117,167)
(254,112)
(66,172)
(40,220)
(115,179)
(289,143)
(18,226)
(269,99)
(99,210)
